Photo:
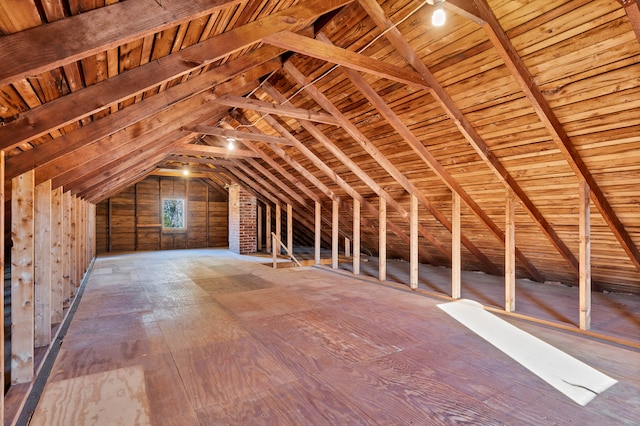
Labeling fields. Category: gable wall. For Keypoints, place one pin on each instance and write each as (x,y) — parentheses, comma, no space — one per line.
(132,219)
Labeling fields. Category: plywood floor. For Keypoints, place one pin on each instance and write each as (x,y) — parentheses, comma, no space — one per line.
(205,337)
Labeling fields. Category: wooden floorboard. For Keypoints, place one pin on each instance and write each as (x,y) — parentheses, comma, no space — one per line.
(202,337)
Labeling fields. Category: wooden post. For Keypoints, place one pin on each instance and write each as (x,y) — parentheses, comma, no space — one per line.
(259,228)
(413,240)
(22,280)
(91,228)
(2,254)
(73,247)
(276,247)
(268,230)
(510,254)
(456,254)
(318,230)
(66,246)
(290,228)
(347,247)
(382,240)
(274,252)
(585,257)
(42,264)
(334,235)
(356,236)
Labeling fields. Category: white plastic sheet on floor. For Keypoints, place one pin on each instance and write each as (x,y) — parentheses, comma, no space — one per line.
(567,374)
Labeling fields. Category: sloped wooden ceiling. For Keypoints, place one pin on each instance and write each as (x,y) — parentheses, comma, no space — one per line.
(342,100)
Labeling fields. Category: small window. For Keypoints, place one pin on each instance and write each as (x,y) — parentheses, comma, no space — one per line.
(173,213)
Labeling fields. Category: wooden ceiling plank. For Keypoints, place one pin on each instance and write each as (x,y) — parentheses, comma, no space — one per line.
(269,108)
(547,116)
(394,36)
(310,47)
(110,27)
(110,132)
(23,132)
(96,97)
(237,134)
(387,165)
(426,156)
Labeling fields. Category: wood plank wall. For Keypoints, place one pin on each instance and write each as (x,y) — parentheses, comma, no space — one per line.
(132,219)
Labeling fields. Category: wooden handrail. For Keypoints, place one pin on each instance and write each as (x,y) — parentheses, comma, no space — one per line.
(275,240)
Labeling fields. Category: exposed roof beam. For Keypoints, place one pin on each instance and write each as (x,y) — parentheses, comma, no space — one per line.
(110,26)
(237,134)
(273,163)
(355,169)
(176,172)
(554,127)
(258,63)
(310,47)
(194,160)
(389,167)
(333,176)
(376,13)
(269,108)
(88,101)
(213,151)
(424,154)
(286,175)
(288,159)
(250,185)
(113,146)
(105,184)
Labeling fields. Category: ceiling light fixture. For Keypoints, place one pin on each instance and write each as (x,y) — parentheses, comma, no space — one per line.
(438,18)
(230,143)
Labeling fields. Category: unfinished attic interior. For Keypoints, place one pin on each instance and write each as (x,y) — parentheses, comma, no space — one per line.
(271,212)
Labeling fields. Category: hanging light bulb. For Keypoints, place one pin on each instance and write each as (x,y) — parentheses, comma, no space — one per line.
(438,18)
(230,143)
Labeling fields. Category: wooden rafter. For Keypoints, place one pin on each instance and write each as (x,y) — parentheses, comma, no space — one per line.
(213,151)
(237,134)
(157,105)
(546,115)
(361,174)
(424,154)
(110,27)
(88,101)
(269,108)
(471,135)
(387,165)
(310,47)
(284,173)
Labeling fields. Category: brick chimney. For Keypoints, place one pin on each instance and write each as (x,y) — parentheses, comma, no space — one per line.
(242,221)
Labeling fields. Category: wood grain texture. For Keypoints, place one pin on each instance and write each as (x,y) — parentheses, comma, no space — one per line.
(208,337)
